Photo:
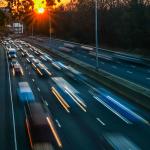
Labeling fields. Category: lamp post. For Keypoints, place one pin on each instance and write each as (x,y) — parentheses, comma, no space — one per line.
(96,32)
(50,25)
(32,29)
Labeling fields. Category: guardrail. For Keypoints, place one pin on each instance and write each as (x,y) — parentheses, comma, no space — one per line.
(125,56)
(128,89)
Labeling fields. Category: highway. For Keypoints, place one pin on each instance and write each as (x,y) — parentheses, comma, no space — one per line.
(88,124)
(129,68)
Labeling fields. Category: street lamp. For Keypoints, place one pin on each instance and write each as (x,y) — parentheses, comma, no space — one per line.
(96,32)
(50,25)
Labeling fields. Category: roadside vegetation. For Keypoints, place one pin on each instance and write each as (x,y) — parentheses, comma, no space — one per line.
(122,24)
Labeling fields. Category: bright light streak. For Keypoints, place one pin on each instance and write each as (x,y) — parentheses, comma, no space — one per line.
(61,100)
(54,132)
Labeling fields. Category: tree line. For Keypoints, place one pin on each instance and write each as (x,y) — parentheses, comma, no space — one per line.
(121,23)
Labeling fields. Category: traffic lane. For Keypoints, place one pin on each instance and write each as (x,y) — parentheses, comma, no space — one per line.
(62,74)
(88,123)
(56,44)
(43,94)
(21,135)
(74,83)
(119,71)
(69,137)
(6,126)
(23,143)
(112,125)
(123,72)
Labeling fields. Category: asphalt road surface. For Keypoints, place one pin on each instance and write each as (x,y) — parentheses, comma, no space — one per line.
(130,70)
(79,129)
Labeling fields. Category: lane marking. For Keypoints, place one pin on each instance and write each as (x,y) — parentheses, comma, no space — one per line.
(33,80)
(114,67)
(133,66)
(148,78)
(101,122)
(38,89)
(12,106)
(58,123)
(130,72)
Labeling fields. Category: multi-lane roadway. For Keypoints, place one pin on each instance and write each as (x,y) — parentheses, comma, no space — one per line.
(101,121)
(125,66)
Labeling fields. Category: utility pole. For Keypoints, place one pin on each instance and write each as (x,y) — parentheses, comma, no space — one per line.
(96,32)
(50,25)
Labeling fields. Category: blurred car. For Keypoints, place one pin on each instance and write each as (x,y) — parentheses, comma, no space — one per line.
(30,58)
(17,70)
(42,70)
(58,65)
(11,53)
(35,62)
(13,62)
(47,57)
(120,142)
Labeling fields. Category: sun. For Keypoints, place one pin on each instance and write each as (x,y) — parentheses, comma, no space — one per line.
(39,6)
(40,10)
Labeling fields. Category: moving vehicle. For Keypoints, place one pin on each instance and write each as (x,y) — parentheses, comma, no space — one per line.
(58,65)
(24,92)
(11,53)
(40,127)
(17,69)
(30,58)
(42,70)
(65,49)
(118,142)
(49,58)
(35,62)
(74,74)
(13,62)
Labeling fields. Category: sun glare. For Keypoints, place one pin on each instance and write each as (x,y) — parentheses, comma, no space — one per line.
(39,6)
(40,10)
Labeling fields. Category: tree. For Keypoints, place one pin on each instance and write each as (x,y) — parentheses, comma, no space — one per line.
(2,18)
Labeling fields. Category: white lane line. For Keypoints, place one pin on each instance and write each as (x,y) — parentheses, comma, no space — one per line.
(148,78)
(112,110)
(12,107)
(130,72)
(101,122)
(133,66)
(44,101)
(58,123)
(38,89)
(33,80)
(114,67)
